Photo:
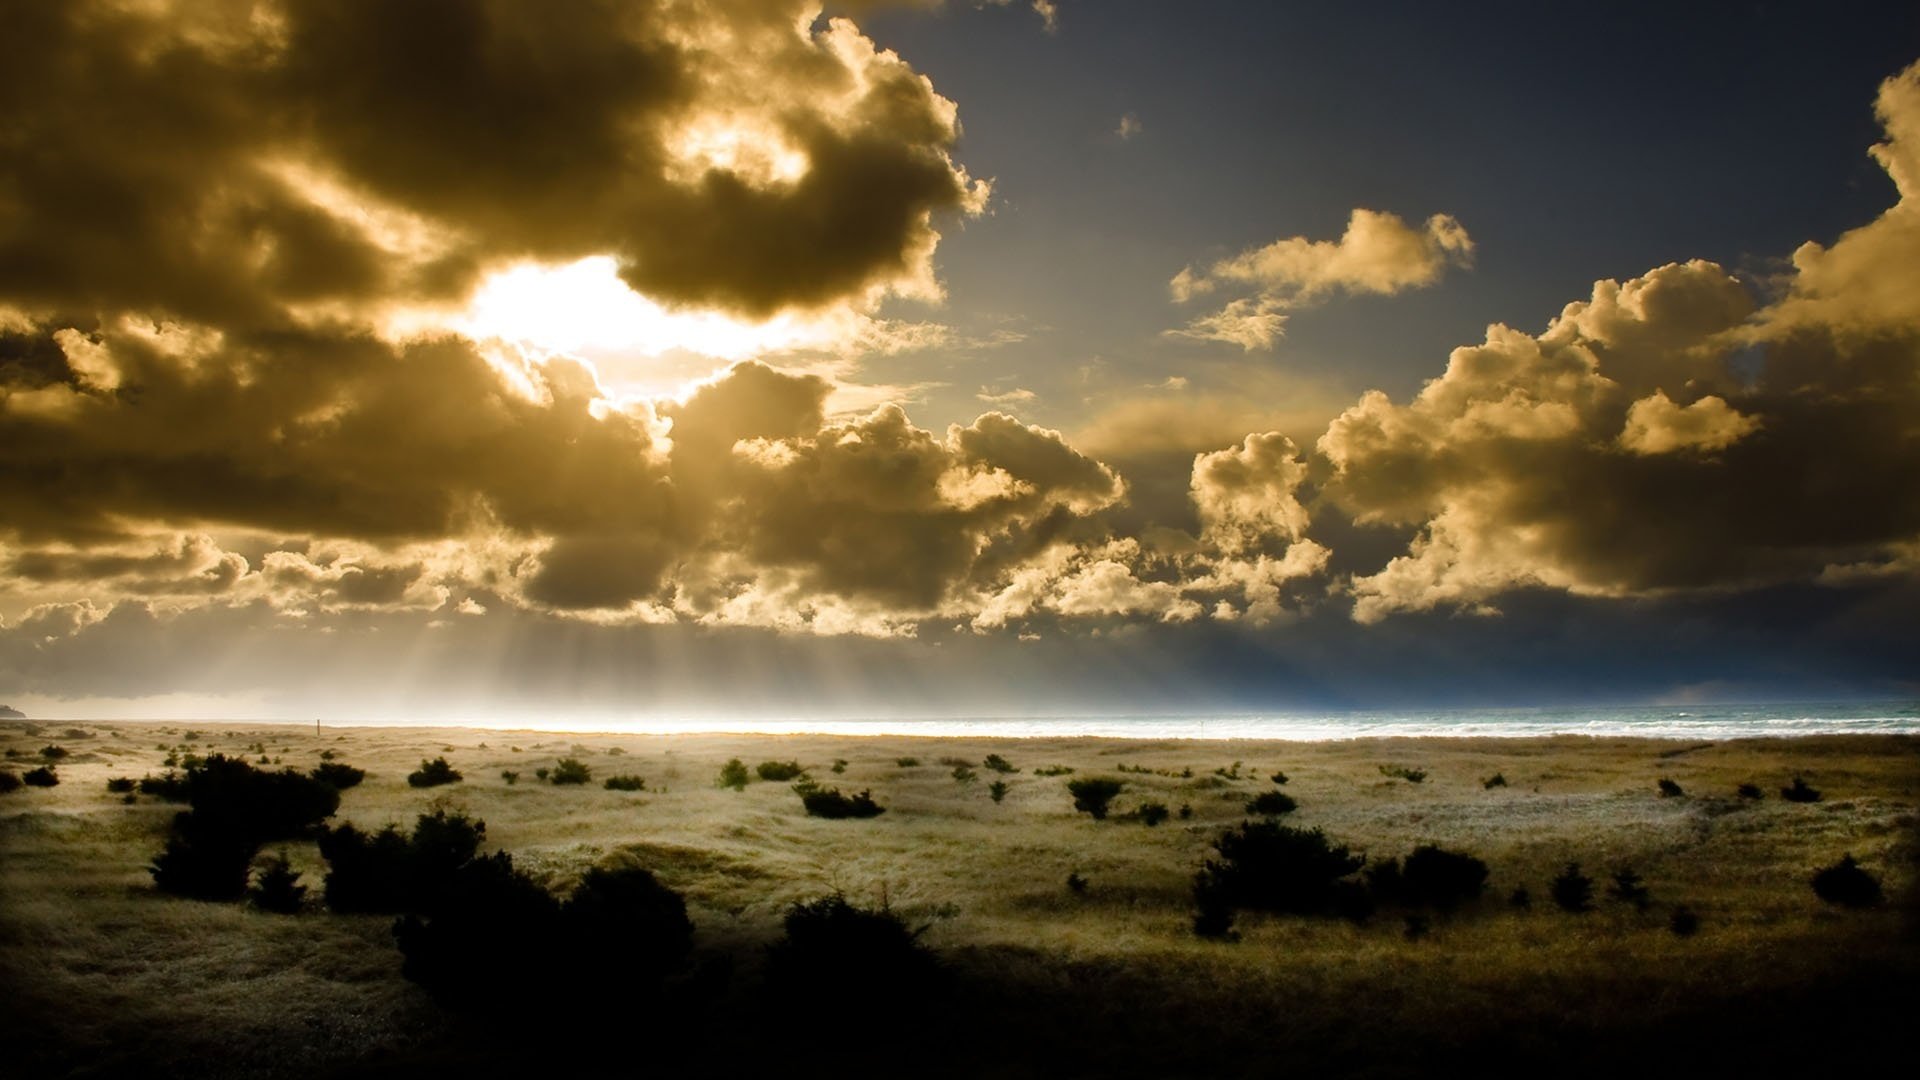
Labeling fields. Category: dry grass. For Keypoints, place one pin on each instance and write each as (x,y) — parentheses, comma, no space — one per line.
(105,973)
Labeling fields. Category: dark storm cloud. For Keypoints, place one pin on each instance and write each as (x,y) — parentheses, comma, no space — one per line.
(227,161)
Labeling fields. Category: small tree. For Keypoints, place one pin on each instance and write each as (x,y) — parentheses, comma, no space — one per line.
(433,774)
(569,771)
(734,774)
(277,888)
(1572,890)
(1092,794)
(1627,889)
(1152,813)
(997,790)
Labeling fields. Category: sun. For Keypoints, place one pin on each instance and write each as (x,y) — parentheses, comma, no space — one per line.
(583,305)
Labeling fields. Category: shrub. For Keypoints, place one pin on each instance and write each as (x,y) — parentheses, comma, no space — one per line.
(509,776)
(1572,890)
(1278,777)
(839,765)
(337,776)
(628,922)
(541,773)
(956,762)
(327,755)
(120,785)
(734,775)
(1401,772)
(1846,884)
(907,762)
(1054,770)
(1683,922)
(1520,899)
(1266,866)
(1799,791)
(1229,773)
(997,790)
(489,942)
(44,776)
(1092,794)
(1430,877)
(277,888)
(835,956)
(626,782)
(53,753)
(1417,927)
(1152,813)
(433,774)
(1751,791)
(203,861)
(1185,811)
(1494,781)
(570,771)
(1669,789)
(998,764)
(1627,889)
(778,770)
(1271,804)
(829,803)
(9,781)
(963,775)
(390,871)
(170,786)
(1213,911)
(1076,884)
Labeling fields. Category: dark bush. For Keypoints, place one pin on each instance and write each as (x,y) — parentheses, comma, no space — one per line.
(1627,889)
(203,860)
(1417,927)
(629,922)
(1430,877)
(1669,789)
(1278,777)
(1092,795)
(1152,813)
(998,764)
(1683,922)
(829,803)
(1572,890)
(956,762)
(963,775)
(509,776)
(835,956)
(907,762)
(277,888)
(1213,911)
(997,790)
(1076,884)
(44,776)
(1271,804)
(1185,811)
(626,782)
(1846,884)
(257,805)
(839,766)
(120,785)
(540,773)
(1751,791)
(1494,781)
(170,786)
(53,753)
(1520,899)
(734,775)
(778,770)
(570,771)
(9,781)
(337,776)
(1053,770)
(1401,772)
(491,943)
(433,774)
(1266,866)
(390,871)
(1799,791)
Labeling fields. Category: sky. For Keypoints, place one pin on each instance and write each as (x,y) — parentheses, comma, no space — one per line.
(658,358)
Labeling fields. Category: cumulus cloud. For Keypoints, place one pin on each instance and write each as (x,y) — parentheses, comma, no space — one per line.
(1379,253)
(233,162)
(1624,452)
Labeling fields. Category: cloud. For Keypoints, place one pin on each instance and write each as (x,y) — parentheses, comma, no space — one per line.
(1668,434)
(1379,253)
(235,163)
(1129,127)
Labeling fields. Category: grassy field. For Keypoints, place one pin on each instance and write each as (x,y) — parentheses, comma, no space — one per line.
(102,975)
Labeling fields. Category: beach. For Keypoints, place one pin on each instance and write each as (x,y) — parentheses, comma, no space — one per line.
(106,975)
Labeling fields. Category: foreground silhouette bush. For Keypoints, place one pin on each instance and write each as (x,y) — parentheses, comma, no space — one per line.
(830,803)
(570,771)
(44,776)
(277,888)
(1092,795)
(234,808)
(170,786)
(1152,813)
(9,781)
(338,776)
(203,862)
(837,957)
(1846,884)
(433,774)
(390,871)
(1266,866)
(629,922)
